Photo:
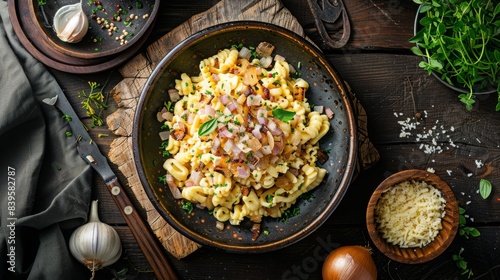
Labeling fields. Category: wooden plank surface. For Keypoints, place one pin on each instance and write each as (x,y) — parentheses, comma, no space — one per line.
(383,94)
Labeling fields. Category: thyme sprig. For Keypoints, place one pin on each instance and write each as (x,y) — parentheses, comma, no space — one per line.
(94,103)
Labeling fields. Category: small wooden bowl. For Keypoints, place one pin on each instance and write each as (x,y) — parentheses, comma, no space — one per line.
(440,242)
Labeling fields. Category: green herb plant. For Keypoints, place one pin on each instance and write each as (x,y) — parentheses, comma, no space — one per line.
(94,103)
(460,41)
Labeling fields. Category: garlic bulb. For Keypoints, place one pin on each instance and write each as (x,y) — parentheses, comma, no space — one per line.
(95,244)
(71,23)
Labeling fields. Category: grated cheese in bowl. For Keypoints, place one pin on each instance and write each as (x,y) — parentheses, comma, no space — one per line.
(409,214)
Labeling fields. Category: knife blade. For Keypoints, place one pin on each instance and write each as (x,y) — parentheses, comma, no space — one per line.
(91,154)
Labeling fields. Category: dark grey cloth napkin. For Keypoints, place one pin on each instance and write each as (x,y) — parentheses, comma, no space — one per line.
(45,187)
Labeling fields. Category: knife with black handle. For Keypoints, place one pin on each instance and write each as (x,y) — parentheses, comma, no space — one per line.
(90,152)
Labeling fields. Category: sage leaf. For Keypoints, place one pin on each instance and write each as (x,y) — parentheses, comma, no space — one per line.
(474,232)
(417,51)
(283,115)
(484,188)
(207,127)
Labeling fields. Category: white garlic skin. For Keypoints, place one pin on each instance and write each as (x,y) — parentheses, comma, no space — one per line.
(95,244)
(71,23)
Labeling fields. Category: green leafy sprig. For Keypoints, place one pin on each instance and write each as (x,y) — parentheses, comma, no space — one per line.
(93,103)
(462,264)
(467,232)
(463,229)
(460,41)
(283,115)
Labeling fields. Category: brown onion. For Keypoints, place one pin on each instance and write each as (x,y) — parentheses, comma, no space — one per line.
(349,262)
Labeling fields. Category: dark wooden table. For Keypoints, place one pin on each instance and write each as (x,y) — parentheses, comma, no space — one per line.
(383,73)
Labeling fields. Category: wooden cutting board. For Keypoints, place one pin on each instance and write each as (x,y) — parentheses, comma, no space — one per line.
(136,73)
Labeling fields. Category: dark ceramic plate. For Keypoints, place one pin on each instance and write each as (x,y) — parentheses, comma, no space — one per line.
(97,42)
(326,88)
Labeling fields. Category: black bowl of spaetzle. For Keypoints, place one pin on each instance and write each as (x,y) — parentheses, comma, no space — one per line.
(244,138)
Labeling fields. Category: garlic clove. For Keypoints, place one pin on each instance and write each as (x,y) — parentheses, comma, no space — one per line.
(71,23)
(95,244)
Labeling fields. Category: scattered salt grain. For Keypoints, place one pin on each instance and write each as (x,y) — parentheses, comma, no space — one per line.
(468,202)
(469,175)
(449,172)
(451,143)
(432,137)
(479,163)
(431,170)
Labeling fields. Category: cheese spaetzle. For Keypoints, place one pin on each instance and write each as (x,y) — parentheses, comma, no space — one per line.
(243,137)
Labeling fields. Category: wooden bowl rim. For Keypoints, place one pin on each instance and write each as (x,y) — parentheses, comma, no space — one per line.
(429,251)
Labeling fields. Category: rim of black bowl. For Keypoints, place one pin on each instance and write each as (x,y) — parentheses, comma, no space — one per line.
(349,166)
(416,26)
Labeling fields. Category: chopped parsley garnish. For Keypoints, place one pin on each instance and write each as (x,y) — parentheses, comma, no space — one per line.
(66,117)
(94,103)
(289,213)
(163,179)
(187,206)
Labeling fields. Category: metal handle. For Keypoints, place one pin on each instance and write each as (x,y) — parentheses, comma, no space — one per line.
(144,237)
(326,12)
